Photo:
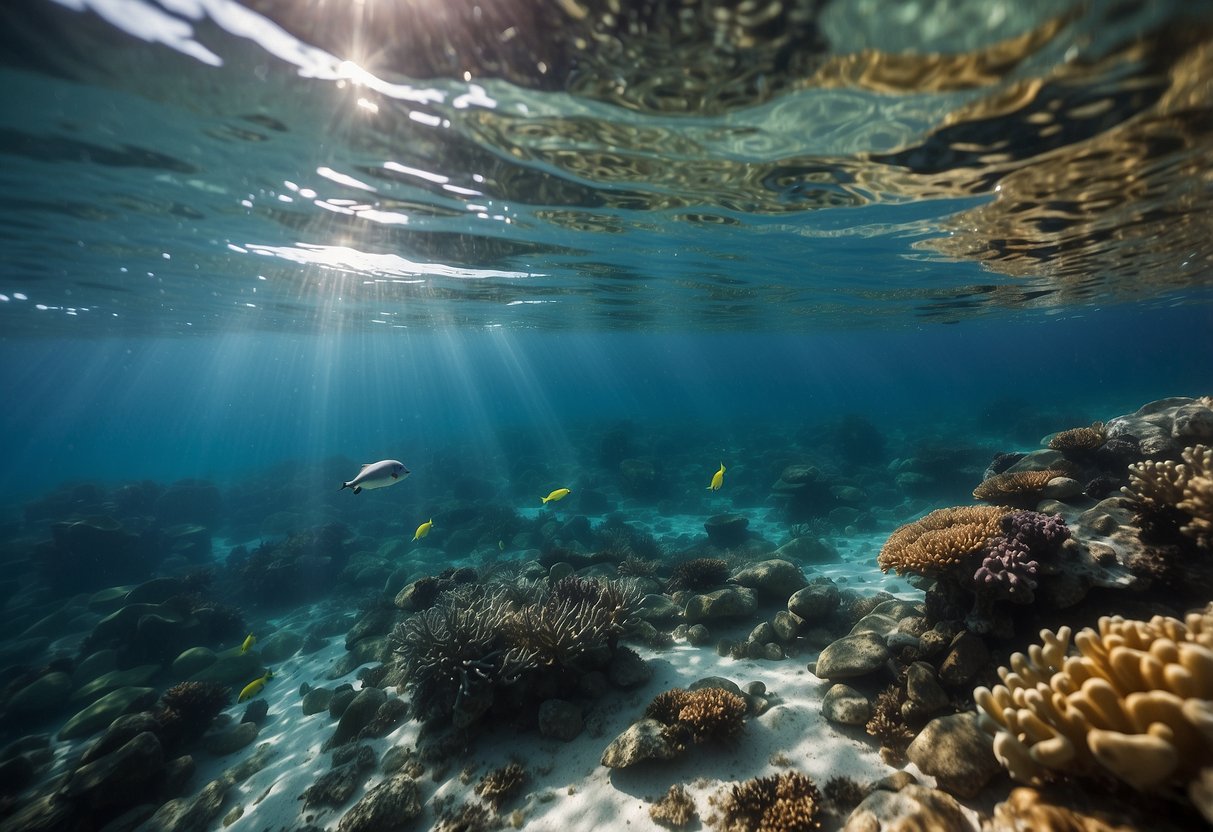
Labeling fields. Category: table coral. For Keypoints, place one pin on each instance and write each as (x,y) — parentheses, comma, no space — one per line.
(1019,488)
(940,540)
(1135,702)
(1079,440)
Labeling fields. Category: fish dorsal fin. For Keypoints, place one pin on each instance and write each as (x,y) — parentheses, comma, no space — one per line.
(366,465)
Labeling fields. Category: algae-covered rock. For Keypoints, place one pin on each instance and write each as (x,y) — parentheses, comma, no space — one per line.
(775,578)
(280,646)
(316,700)
(852,656)
(231,667)
(390,805)
(739,602)
(644,740)
(44,695)
(230,739)
(194,660)
(106,682)
(94,665)
(105,710)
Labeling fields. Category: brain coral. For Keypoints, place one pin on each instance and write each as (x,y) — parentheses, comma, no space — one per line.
(1162,491)
(1014,487)
(942,539)
(1136,702)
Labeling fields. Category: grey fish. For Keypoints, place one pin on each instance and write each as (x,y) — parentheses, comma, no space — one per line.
(379,474)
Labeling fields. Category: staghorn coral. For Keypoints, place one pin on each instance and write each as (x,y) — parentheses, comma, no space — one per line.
(1171,497)
(675,810)
(787,802)
(455,652)
(1079,441)
(576,622)
(1014,488)
(500,784)
(695,716)
(1135,702)
(940,540)
(698,574)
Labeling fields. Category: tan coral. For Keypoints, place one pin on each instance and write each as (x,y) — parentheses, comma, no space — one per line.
(1134,702)
(787,802)
(1158,486)
(940,540)
(1024,810)
(1014,487)
(675,810)
(1197,500)
(1079,439)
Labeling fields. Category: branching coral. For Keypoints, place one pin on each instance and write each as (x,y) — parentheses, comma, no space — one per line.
(1169,496)
(1136,702)
(1025,809)
(1009,567)
(675,810)
(694,716)
(787,802)
(455,651)
(1014,488)
(698,574)
(1077,441)
(579,617)
(941,540)
(887,724)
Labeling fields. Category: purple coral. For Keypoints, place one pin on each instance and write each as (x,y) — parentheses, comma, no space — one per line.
(1008,569)
(1010,565)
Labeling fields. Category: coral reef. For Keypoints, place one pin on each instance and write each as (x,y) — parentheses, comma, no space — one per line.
(1134,703)
(695,716)
(787,802)
(1079,441)
(501,784)
(1172,498)
(940,540)
(675,810)
(698,574)
(1015,488)
(187,709)
(842,794)
(1009,568)
(887,724)
(1025,809)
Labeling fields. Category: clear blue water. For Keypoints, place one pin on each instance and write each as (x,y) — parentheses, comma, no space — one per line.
(228,243)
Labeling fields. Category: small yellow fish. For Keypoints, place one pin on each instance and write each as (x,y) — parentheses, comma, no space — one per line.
(423,529)
(254,687)
(558,494)
(717,479)
(249,641)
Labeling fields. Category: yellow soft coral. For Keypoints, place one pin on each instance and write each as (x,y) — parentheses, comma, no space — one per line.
(1135,702)
(942,539)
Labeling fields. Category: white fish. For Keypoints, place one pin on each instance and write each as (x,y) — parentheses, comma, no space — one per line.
(379,474)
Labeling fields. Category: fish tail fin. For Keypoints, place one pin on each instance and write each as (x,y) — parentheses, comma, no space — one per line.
(344,486)
(543,500)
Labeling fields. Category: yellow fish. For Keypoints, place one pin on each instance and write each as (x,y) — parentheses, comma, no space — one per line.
(254,687)
(558,494)
(423,529)
(249,641)
(717,479)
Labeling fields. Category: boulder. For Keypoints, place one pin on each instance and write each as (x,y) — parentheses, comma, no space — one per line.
(775,578)
(627,669)
(105,710)
(739,602)
(727,530)
(851,656)
(644,740)
(357,715)
(956,752)
(44,695)
(845,705)
(807,549)
(815,602)
(230,739)
(914,807)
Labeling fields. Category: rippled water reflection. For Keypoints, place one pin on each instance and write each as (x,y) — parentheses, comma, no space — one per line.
(202,164)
